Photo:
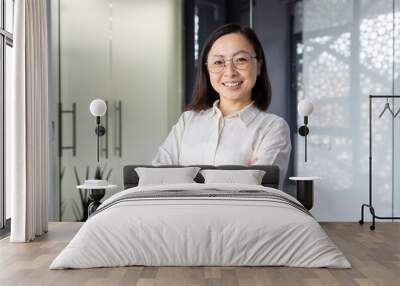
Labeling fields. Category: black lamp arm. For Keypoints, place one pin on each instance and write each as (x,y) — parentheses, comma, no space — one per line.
(100,131)
(303,131)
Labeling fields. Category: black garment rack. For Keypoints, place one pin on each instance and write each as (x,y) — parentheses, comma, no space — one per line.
(369,205)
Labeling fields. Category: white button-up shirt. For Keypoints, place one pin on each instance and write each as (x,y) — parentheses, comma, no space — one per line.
(248,137)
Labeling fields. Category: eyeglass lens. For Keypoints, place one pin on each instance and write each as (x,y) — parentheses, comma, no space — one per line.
(240,61)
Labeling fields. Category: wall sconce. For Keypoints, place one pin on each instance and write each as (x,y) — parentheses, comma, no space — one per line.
(98,108)
(305,108)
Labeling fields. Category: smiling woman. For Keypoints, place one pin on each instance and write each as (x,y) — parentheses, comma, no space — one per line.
(233,82)
(226,122)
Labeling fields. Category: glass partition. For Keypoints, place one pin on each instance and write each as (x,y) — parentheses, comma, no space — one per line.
(349,50)
(128,53)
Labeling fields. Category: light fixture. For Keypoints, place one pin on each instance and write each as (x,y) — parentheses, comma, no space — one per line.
(305,108)
(98,108)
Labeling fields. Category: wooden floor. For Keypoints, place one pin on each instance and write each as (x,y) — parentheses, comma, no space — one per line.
(374,255)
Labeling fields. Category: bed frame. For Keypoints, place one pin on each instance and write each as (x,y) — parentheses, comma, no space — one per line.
(270,179)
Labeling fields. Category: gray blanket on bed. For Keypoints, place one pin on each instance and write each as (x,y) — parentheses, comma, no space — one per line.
(204,194)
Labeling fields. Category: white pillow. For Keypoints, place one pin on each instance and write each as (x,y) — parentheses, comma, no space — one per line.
(164,176)
(248,177)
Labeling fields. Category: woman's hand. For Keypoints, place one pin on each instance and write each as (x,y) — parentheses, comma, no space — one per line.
(251,161)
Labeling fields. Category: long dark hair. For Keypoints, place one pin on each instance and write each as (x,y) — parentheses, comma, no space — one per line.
(204,95)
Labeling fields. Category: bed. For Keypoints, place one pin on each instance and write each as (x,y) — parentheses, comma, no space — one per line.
(201,224)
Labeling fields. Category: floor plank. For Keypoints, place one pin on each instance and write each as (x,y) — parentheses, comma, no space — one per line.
(374,255)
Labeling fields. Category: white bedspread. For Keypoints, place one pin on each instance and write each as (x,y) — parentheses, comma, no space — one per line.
(200,231)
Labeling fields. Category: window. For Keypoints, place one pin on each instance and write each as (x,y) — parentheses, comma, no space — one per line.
(6,44)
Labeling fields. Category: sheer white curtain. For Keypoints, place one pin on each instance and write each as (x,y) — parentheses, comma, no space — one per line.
(27,123)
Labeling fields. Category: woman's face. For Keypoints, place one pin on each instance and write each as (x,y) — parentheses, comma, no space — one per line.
(235,79)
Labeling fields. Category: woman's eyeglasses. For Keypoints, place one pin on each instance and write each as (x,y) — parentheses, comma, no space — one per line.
(240,61)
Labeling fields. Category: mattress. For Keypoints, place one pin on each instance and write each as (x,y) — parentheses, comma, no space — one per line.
(201,225)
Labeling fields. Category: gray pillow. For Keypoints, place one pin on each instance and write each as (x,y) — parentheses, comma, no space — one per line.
(165,176)
(248,177)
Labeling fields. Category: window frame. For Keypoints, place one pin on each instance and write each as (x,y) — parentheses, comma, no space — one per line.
(6,39)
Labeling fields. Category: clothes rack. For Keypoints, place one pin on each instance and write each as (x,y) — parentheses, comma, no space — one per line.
(369,205)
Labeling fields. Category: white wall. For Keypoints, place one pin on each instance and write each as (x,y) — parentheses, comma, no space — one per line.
(347,55)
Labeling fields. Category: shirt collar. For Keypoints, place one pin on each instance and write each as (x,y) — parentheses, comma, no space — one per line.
(246,114)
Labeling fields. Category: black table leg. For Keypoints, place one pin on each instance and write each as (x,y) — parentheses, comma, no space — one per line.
(305,193)
(95,195)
